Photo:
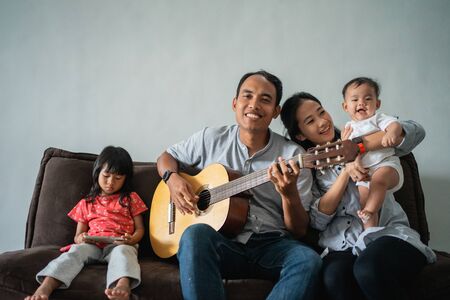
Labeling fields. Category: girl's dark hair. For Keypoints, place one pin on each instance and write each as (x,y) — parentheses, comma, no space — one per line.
(289,118)
(362,80)
(117,161)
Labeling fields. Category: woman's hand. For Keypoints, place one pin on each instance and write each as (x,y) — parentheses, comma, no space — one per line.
(284,177)
(356,171)
(181,194)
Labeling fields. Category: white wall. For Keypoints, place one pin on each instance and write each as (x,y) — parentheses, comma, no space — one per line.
(80,75)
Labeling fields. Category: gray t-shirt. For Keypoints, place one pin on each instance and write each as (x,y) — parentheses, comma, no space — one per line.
(222,145)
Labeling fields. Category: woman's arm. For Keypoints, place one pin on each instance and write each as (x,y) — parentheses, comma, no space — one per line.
(412,135)
(331,199)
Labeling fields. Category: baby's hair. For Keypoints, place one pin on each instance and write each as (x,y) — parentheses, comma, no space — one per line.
(117,161)
(362,80)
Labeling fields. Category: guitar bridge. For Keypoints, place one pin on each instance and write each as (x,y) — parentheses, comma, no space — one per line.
(171,217)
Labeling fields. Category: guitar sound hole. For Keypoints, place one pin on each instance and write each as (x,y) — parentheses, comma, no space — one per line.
(204,200)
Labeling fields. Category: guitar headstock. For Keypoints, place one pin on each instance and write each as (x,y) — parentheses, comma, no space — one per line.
(331,154)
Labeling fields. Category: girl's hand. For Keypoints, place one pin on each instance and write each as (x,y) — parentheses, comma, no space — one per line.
(81,238)
(127,239)
(346,131)
(356,171)
(285,181)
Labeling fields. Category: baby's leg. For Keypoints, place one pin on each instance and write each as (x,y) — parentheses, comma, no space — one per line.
(45,289)
(382,179)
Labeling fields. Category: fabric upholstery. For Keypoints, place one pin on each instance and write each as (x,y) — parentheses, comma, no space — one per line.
(64,177)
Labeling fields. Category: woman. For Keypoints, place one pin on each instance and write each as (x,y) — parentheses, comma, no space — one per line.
(379,262)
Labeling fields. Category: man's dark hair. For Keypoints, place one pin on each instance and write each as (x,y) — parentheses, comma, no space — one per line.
(270,77)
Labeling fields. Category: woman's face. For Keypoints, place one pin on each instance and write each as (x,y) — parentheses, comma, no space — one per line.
(314,123)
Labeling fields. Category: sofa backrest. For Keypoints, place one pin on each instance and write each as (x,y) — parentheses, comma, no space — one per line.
(411,197)
(63,179)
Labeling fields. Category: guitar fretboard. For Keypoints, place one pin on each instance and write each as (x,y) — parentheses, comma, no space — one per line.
(246,182)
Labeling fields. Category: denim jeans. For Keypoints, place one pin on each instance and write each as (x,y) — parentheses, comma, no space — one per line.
(206,256)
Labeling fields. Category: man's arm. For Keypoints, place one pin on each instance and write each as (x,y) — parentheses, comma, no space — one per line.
(296,218)
(181,192)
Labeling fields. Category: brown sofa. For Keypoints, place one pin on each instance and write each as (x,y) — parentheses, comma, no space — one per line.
(64,177)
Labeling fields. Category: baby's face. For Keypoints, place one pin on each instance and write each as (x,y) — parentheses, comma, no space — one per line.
(360,102)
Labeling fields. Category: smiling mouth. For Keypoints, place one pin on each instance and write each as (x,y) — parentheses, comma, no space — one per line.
(326,130)
(252,116)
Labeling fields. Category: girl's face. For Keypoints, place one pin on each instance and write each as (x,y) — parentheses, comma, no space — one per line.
(110,183)
(314,123)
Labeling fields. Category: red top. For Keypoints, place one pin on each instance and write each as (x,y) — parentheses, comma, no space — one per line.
(106,217)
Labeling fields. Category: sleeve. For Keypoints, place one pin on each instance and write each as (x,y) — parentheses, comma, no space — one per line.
(79,212)
(137,206)
(187,152)
(304,183)
(414,135)
(384,120)
(318,219)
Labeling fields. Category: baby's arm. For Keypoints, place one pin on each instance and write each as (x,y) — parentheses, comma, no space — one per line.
(393,135)
(138,232)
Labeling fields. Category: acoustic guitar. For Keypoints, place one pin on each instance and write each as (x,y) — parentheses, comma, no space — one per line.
(222,202)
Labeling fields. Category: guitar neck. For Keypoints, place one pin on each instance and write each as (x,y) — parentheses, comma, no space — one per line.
(319,157)
(247,182)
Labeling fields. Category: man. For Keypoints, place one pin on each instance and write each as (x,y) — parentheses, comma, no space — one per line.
(268,246)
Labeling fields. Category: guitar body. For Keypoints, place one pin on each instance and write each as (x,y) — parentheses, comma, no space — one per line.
(228,215)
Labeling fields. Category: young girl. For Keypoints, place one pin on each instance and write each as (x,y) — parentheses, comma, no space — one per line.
(361,102)
(378,262)
(110,209)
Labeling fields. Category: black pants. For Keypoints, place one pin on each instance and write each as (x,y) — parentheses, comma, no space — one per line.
(382,271)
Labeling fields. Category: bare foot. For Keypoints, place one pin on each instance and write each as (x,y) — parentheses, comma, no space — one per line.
(368,218)
(45,289)
(37,297)
(121,291)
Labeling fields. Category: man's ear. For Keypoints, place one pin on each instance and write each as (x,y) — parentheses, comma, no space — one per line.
(276,112)
(233,104)
(378,103)
(300,137)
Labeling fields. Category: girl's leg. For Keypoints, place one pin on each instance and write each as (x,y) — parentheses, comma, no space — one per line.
(337,276)
(67,266)
(386,268)
(123,273)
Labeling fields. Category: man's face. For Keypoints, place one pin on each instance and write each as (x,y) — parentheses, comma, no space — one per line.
(255,105)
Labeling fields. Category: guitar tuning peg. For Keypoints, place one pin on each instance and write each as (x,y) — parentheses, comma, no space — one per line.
(322,171)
